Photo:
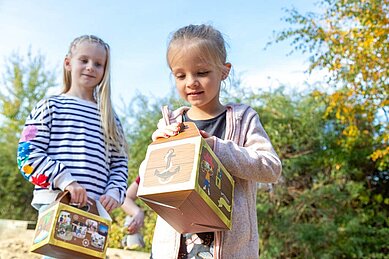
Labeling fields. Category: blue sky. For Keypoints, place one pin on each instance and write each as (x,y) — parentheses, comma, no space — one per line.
(137,32)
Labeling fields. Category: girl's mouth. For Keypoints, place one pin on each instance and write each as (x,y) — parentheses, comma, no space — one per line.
(88,75)
(195,93)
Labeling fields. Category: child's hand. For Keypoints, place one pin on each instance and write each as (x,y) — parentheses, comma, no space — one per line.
(207,138)
(169,131)
(78,194)
(108,203)
(136,223)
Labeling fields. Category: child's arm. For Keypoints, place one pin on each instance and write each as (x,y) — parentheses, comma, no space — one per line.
(33,161)
(255,160)
(129,206)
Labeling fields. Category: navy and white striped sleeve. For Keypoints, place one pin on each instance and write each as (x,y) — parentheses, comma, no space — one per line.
(33,161)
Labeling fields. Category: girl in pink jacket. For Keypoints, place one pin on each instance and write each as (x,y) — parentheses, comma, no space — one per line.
(197,58)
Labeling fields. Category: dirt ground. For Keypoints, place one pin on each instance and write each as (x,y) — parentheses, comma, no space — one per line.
(15,245)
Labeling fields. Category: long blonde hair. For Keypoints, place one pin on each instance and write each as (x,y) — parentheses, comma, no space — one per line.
(112,133)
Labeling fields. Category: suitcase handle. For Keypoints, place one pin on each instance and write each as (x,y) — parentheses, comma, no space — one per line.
(90,206)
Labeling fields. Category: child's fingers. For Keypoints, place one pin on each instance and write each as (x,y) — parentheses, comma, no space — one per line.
(78,195)
(108,203)
(205,134)
(104,200)
(168,131)
(132,228)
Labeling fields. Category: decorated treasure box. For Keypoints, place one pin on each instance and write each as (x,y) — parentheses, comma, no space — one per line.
(64,231)
(184,182)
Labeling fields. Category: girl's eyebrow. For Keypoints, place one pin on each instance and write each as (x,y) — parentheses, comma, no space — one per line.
(86,56)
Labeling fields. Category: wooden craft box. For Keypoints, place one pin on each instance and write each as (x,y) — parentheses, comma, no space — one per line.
(64,231)
(184,182)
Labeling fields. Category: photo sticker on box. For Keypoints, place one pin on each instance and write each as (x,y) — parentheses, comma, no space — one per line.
(79,229)
(103,230)
(99,237)
(91,226)
(98,240)
(64,226)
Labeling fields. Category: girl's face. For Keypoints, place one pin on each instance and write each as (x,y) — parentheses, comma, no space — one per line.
(198,82)
(86,65)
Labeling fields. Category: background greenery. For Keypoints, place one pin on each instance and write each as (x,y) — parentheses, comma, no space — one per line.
(332,200)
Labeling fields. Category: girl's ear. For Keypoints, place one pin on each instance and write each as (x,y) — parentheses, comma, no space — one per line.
(226,70)
(66,64)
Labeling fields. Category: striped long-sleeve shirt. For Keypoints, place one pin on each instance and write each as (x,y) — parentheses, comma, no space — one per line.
(63,142)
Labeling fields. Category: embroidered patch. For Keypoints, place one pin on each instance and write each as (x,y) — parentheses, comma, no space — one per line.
(29,133)
(27,169)
(23,150)
(41,181)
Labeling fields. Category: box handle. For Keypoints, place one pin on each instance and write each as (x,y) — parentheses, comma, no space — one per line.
(90,206)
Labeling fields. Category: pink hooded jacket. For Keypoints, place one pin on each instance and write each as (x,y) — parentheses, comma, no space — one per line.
(247,154)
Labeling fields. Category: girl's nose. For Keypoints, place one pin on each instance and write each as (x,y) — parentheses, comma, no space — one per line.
(191,81)
(89,66)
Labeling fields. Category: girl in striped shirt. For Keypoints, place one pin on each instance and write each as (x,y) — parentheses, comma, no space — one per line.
(74,141)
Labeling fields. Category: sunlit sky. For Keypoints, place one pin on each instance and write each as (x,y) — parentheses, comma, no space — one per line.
(138,31)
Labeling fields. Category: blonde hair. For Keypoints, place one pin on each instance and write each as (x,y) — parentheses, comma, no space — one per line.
(112,133)
(204,39)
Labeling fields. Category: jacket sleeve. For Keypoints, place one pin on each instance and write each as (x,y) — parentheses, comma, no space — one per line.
(256,160)
(33,161)
(117,183)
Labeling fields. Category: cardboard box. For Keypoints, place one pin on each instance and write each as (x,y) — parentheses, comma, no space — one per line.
(64,231)
(185,183)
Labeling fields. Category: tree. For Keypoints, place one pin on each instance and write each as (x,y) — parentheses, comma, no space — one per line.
(24,83)
(334,199)
(349,40)
(316,210)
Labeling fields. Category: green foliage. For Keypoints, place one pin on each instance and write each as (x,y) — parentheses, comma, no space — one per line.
(348,40)
(25,82)
(322,207)
(333,200)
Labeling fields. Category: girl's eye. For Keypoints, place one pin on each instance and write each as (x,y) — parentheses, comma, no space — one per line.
(180,76)
(98,65)
(203,73)
(84,61)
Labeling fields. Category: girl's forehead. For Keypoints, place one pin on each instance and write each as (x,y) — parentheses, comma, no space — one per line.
(88,46)
(193,56)
(189,62)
